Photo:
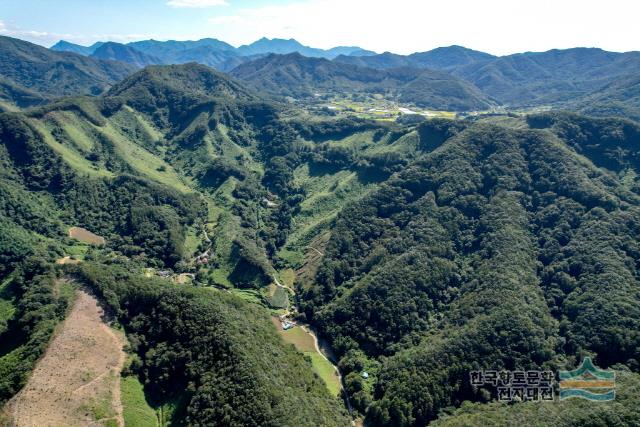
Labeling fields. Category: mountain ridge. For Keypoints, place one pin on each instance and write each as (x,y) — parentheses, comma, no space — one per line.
(299,76)
(49,74)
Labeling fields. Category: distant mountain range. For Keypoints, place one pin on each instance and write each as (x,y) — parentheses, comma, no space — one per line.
(523,79)
(211,52)
(450,78)
(120,52)
(442,58)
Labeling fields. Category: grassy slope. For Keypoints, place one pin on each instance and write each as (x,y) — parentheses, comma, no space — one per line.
(71,155)
(79,140)
(136,410)
(327,192)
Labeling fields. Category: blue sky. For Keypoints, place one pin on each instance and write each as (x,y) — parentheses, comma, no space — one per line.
(402,26)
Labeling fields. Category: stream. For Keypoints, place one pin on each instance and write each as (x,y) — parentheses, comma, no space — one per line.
(322,347)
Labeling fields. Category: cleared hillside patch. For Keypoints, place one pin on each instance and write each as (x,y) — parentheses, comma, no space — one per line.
(70,154)
(86,236)
(143,161)
(77,382)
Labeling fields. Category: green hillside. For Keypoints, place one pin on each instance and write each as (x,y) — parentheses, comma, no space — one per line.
(31,74)
(417,250)
(501,247)
(297,76)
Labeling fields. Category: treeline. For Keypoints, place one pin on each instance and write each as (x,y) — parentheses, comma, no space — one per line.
(38,309)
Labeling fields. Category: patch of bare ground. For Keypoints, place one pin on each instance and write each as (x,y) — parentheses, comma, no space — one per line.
(86,236)
(77,382)
(312,259)
(67,260)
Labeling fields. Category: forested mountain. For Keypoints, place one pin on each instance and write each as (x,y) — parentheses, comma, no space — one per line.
(442,58)
(123,53)
(418,250)
(30,73)
(619,98)
(301,77)
(211,52)
(124,165)
(556,77)
(503,246)
(535,78)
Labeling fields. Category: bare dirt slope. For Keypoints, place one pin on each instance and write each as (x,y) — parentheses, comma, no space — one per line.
(77,382)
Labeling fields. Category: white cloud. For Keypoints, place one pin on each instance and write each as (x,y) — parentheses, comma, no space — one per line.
(405,26)
(47,39)
(196,3)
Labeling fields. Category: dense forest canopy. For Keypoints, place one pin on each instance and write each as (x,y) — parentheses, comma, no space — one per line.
(418,249)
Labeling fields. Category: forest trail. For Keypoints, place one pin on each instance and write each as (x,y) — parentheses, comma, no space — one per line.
(77,382)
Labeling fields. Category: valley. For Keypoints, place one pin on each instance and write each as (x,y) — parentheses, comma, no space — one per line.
(277,235)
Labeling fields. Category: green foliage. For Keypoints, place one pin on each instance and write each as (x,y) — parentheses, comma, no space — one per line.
(623,411)
(135,409)
(220,355)
(608,143)
(300,77)
(499,248)
(27,334)
(49,75)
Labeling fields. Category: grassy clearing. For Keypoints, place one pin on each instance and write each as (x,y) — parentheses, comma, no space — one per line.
(7,310)
(78,250)
(327,196)
(288,277)
(65,289)
(142,160)
(301,339)
(305,344)
(148,127)
(327,372)
(135,409)
(225,228)
(72,126)
(276,296)
(192,241)
(231,150)
(249,295)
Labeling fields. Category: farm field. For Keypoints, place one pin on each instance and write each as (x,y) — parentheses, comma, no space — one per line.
(304,342)
(379,108)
